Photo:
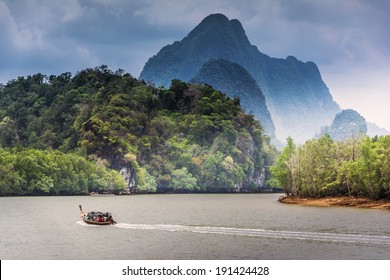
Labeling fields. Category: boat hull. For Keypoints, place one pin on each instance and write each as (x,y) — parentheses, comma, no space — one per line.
(93,221)
(98,223)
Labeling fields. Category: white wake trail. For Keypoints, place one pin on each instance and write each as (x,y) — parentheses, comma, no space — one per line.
(251,232)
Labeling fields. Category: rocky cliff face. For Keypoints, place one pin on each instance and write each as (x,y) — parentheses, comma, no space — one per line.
(215,37)
(296,96)
(129,174)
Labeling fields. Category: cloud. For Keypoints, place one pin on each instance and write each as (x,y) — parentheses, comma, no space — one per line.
(346,39)
(51,36)
(39,37)
(323,31)
(13,36)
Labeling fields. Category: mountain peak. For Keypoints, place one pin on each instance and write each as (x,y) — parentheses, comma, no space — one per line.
(221,19)
(215,18)
(211,22)
(346,124)
(219,24)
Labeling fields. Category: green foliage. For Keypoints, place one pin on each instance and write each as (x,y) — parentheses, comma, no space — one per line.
(185,138)
(183,181)
(323,167)
(282,171)
(222,173)
(29,171)
(146,183)
(232,79)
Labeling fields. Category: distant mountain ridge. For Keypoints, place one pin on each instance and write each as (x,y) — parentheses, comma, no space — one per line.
(346,124)
(373,130)
(296,96)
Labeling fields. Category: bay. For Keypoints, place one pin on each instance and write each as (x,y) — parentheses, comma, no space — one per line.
(189,226)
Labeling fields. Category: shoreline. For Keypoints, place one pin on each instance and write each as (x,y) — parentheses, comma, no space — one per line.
(340,201)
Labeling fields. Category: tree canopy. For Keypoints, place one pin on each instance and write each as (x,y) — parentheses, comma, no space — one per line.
(323,167)
(182,138)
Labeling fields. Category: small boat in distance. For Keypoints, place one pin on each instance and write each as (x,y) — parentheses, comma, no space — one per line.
(101,194)
(96,217)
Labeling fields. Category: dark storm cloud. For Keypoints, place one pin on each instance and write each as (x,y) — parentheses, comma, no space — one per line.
(348,39)
(68,35)
(324,31)
(56,36)
(113,24)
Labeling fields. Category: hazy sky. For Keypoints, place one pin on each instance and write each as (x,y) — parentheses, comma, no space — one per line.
(349,40)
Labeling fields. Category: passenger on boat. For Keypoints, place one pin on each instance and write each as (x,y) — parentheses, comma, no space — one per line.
(98,216)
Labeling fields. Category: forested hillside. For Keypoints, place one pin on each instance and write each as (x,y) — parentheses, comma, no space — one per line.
(185,138)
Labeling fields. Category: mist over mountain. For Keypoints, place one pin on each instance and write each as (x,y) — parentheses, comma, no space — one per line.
(297,98)
(373,130)
(346,124)
(234,80)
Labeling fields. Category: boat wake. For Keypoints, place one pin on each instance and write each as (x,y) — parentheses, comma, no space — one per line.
(81,223)
(251,232)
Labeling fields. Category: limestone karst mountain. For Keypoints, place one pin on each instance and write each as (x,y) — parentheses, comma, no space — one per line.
(346,124)
(296,96)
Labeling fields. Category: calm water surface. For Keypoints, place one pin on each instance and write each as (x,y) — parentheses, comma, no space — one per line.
(191,226)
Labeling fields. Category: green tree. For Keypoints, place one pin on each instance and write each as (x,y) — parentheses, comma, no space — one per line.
(8,132)
(183,181)
(146,183)
(101,115)
(365,169)
(283,170)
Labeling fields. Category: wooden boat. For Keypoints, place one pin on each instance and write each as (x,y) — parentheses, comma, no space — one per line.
(98,223)
(89,217)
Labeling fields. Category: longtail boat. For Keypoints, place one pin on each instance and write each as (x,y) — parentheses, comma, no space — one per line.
(96,217)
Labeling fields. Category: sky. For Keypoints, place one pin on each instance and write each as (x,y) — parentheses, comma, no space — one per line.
(347,39)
